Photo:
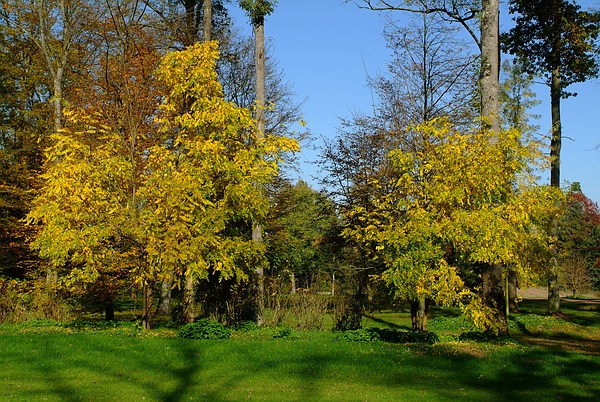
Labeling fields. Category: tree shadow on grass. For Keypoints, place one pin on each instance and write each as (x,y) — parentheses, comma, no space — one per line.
(562,342)
(309,370)
(386,323)
(82,366)
(544,375)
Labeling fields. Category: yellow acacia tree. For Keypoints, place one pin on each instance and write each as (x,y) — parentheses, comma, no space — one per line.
(462,201)
(84,206)
(195,196)
(200,217)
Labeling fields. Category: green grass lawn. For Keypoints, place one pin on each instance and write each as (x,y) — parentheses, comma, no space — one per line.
(51,362)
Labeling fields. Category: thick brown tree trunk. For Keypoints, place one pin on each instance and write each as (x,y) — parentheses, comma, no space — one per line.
(512,293)
(492,291)
(419,313)
(492,282)
(109,311)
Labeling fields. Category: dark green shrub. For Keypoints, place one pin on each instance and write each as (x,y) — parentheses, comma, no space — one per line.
(282,333)
(389,335)
(348,314)
(204,329)
(360,335)
(397,336)
(246,326)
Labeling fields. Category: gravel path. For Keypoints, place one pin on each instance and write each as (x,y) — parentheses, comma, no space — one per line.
(541,293)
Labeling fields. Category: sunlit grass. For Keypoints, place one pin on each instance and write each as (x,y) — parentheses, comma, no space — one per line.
(118,362)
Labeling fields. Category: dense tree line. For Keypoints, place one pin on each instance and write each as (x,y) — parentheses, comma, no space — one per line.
(142,146)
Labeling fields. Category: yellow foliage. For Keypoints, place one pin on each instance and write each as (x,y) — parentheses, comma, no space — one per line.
(459,200)
(182,205)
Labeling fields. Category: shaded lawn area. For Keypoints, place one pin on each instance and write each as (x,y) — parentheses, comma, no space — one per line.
(312,366)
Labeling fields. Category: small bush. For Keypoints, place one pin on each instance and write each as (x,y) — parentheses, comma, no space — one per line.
(576,275)
(246,326)
(282,333)
(22,301)
(308,309)
(396,336)
(360,335)
(348,314)
(204,329)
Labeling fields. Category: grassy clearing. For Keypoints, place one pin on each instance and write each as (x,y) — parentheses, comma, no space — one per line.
(115,362)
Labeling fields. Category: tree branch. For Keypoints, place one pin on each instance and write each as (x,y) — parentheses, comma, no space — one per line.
(452,12)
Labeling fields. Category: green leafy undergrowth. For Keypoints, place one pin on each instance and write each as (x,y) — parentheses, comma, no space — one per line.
(204,329)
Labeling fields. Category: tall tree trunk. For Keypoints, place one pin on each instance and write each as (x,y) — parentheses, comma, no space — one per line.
(490,63)
(512,293)
(556,140)
(293,280)
(491,276)
(207,21)
(148,299)
(492,291)
(419,312)
(555,145)
(109,310)
(191,25)
(58,78)
(259,60)
(191,37)
(164,303)
(189,298)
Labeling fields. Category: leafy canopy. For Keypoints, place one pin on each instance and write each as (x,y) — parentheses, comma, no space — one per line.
(551,34)
(460,201)
(257,10)
(189,209)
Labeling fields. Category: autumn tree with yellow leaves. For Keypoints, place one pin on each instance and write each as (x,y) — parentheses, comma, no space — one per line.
(464,200)
(191,207)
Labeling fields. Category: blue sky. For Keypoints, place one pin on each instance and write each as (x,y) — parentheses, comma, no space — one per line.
(328,48)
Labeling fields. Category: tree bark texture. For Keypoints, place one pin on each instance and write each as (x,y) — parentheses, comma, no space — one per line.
(191,24)
(207,21)
(259,61)
(492,291)
(189,299)
(419,312)
(553,279)
(556,140)
(164,303)
(512,293)
(490,63)
(148,300)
